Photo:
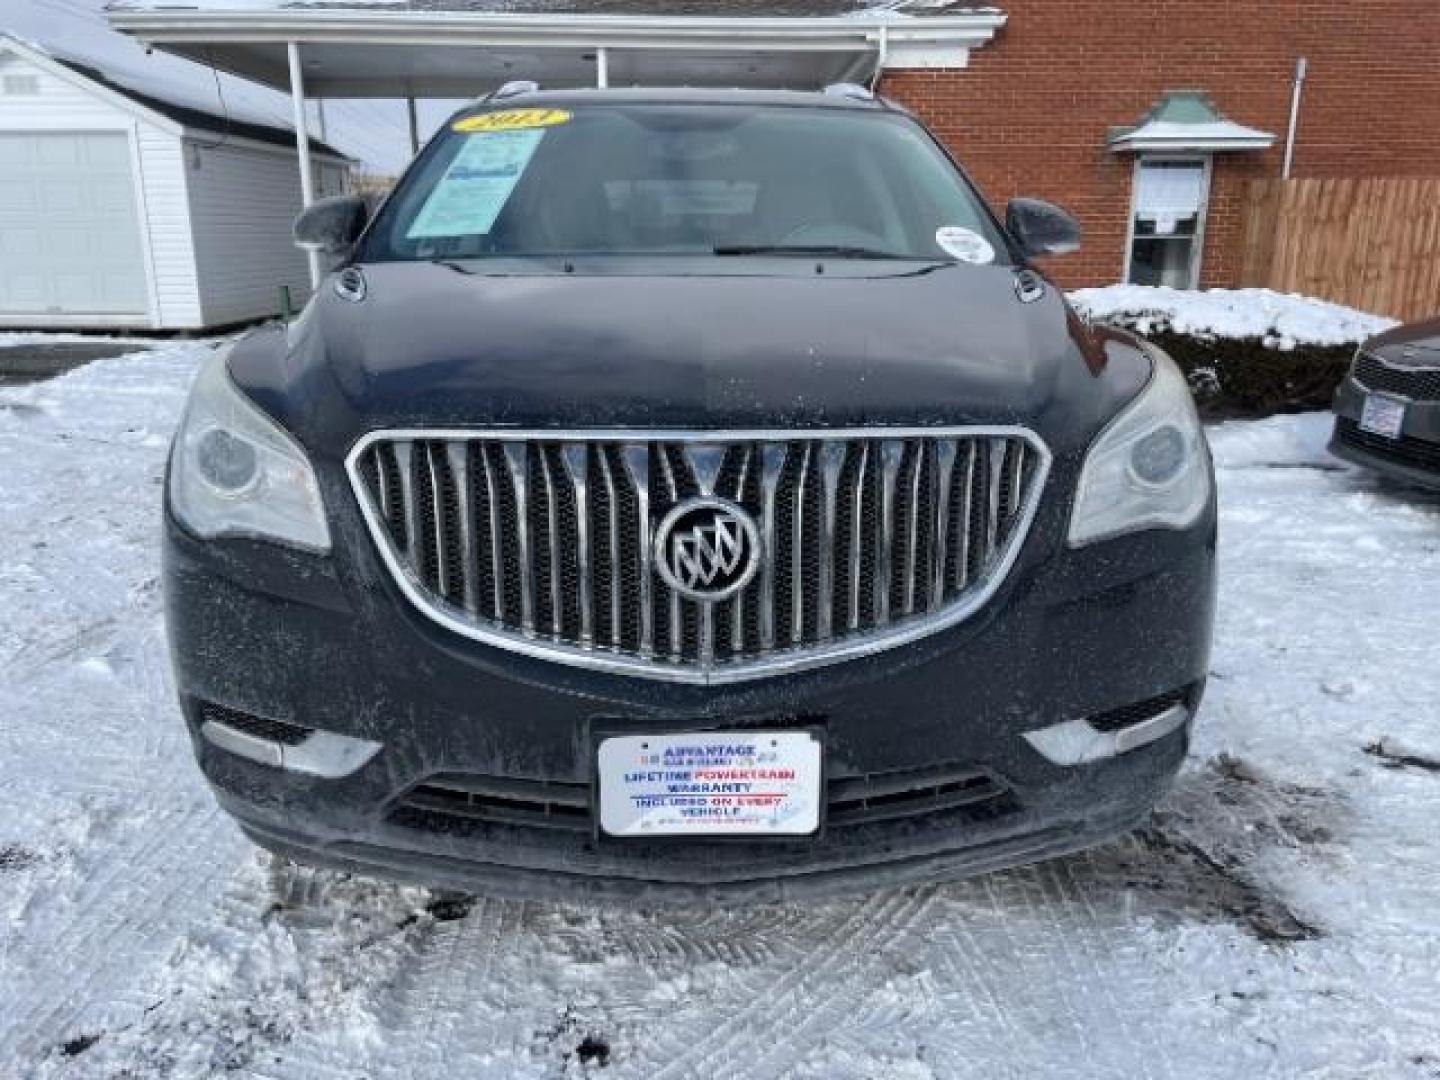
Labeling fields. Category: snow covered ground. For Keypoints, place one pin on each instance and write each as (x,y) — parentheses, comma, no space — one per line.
(1277,920)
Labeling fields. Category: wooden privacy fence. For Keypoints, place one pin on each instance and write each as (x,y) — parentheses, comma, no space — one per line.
(1371,243)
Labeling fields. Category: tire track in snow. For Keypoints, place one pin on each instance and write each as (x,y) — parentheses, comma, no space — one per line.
(280,957)
(810,1011)
(430,1013)
(125,915)
(853,940)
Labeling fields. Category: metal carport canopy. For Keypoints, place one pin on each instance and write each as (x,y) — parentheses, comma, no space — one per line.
(462,48)
(465,48)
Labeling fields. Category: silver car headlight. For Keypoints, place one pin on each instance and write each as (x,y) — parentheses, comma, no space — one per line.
(235,472)
(1150,469)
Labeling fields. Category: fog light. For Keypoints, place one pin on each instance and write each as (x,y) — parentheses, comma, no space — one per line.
(1078,742)
(326,754)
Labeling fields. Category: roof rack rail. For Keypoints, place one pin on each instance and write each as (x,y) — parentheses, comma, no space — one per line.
(514,88)
(849,90)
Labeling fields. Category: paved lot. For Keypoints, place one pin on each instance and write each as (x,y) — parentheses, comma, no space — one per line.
(1277,920)
(21,364)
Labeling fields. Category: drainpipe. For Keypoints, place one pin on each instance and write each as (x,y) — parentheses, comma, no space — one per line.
(302,145)
(882,54)
(1302,69)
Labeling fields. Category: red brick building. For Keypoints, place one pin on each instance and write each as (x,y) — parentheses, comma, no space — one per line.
(1032,110)
(1147,118)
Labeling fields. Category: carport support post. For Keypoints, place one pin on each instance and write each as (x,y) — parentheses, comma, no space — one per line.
(302,145)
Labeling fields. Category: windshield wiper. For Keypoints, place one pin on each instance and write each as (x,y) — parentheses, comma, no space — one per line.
(452,264)
(837,251)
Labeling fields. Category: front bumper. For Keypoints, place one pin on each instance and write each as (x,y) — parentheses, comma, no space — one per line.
(1413,458)
(329,643)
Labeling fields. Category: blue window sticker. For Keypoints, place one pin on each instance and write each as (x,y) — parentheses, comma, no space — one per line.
(477,185)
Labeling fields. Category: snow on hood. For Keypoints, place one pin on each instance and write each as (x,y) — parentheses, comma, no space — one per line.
(1282,320)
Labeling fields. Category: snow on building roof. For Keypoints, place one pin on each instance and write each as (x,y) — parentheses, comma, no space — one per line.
(201,119)
(1188,120)
(169,97)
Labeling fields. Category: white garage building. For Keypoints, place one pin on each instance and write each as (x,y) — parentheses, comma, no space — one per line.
(119,210)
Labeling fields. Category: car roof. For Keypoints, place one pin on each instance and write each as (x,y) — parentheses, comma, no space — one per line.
(657,95)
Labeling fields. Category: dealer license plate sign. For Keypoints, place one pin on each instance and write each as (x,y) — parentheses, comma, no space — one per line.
(1383,416)
(710,784)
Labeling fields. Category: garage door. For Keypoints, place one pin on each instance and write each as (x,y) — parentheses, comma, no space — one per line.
(69,232)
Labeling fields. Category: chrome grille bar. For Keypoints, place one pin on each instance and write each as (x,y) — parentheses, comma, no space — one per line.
(517,458)
(832,464)
(890,454)
(637,465)
(797,547)
(772,462)
(497,550)
(542,542)
(459,457)
(612,526)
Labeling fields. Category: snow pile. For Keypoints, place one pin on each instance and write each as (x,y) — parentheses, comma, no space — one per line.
(1281,320)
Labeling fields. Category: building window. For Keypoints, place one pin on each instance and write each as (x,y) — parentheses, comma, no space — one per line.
(1167,224)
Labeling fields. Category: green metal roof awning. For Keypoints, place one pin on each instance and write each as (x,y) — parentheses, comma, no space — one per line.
(1187,120)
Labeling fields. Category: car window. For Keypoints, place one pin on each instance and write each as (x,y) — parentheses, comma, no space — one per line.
(662,179)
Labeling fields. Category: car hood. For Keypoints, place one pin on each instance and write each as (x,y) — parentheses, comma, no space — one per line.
(1419,342)
(436,346)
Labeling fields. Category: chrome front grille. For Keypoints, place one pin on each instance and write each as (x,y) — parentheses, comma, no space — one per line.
(542,542)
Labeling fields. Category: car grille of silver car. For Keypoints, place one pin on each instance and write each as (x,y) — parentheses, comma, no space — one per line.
(544,542)
(1417,382)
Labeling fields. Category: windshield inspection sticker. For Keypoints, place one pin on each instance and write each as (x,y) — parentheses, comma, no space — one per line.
(511,120)
(965,244)
(477,185)
(710,783)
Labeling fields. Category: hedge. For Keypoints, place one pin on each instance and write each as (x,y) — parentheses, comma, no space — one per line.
(1235,378)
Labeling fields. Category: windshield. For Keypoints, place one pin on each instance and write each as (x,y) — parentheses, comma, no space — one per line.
(685,179)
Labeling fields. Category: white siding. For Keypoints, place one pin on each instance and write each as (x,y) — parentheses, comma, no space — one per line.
(172,248)
(61,104)
(216,220)
(57,106)
(243,204)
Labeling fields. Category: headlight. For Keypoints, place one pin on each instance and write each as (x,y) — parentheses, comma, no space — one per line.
(1150,469)
(234,472)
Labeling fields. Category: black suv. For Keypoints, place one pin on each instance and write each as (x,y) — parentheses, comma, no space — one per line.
(688,494)
(1387,411)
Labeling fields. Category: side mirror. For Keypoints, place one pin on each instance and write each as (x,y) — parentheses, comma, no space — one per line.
(1042,228)
(331,226)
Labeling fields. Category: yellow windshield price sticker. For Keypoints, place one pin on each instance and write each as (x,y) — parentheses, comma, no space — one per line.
(512,120)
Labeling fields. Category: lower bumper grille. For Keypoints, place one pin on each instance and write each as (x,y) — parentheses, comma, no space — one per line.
(1128,716)
(1415,453)
(260,727)
(454,803)
(450,802)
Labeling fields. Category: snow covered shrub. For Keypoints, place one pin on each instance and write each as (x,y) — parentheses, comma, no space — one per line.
(1246,352)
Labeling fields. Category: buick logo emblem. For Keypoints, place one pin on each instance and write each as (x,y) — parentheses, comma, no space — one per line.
(707,549)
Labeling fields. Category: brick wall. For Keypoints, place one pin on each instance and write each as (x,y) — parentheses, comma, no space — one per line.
(1030,114)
